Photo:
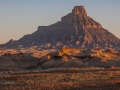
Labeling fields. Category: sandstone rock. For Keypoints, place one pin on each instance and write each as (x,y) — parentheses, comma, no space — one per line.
(79,10)
(44,59)
(104,55)
(110,50)
(51,63)
(65,58)
(76,26)
(73,63)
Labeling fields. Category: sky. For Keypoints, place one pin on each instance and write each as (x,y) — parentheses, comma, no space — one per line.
(21,17)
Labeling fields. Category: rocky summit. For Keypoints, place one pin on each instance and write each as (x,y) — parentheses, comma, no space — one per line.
(75,29)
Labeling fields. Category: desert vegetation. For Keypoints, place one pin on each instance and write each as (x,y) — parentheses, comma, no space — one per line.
(63,80)
(65,69)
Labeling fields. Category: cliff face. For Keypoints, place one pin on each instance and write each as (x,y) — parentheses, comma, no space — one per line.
(74,29)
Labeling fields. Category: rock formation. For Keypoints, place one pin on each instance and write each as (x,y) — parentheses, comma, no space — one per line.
(76,29)
(64,58)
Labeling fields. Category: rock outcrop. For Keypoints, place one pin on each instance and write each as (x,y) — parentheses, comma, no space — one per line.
(76,29)
(75,57)
(64,58)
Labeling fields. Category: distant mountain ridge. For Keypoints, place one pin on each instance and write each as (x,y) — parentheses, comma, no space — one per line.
(76,29)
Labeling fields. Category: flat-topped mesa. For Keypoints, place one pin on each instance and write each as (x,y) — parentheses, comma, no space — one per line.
(80,10)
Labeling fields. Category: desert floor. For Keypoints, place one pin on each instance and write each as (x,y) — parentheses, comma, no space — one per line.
(107,79)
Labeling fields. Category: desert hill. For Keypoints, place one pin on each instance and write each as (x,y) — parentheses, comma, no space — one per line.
(76,29)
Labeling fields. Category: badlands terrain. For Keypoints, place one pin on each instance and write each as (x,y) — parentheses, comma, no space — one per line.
(32,58)
(66,68)
(76,53)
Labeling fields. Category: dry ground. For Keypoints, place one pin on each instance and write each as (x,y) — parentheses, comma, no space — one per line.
(106,77)
(63,80)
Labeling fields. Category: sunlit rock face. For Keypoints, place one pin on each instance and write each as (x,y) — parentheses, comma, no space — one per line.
(75,29)
(79,10)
